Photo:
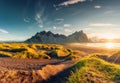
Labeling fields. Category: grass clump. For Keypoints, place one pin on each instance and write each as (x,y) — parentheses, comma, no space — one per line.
(36,51)
(99,55)
(5,54)
(59,53)
(94,70)
(31,55)
(115,57)
(71,57)
(75,54)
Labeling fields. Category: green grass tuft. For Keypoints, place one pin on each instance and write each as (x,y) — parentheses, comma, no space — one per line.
(92,70)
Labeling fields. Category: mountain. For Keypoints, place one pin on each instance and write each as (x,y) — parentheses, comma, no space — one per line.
(77,37)
(46,37)
(49,37)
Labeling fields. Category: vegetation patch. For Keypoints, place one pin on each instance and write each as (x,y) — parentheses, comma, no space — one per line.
(5,54)
(99,55)
(94,70)
(35,51)
(115,57)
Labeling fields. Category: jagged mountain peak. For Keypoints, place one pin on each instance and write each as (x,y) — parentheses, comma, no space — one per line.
(49,37)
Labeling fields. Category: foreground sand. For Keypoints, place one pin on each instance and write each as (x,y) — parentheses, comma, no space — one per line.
(38,71)
(30,70)
(26,64)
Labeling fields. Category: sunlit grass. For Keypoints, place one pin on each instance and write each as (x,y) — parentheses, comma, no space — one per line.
(34,51)
(115,57)
(92,70)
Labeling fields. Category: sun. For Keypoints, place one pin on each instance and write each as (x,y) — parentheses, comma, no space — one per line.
(109,45)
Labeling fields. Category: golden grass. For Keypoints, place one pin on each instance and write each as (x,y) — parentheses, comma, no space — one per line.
(35,51)
(94,70)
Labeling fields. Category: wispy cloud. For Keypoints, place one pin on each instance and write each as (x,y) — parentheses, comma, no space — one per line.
(41,26)
(109,12)
(69,2)
(59,20)
(39,14)
(67,25)
(3,31)
(67,30)
(38,18)
(86,29)
(56,7)
(26,20)
(97,6)
(101,24)
(56,28)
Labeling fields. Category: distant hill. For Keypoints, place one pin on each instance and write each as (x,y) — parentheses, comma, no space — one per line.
(49,37)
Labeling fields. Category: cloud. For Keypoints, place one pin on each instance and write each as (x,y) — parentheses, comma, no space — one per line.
(67,25)
(38,18)
(69,2)
(56,28)
(86,29)
(3,31)
(67,30)
(97,6)
(56,7)
(59,21)
(101,24)
(27,20)
(41,26)
(39,14)
(109,12)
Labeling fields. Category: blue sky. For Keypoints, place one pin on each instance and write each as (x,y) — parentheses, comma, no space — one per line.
(21,19)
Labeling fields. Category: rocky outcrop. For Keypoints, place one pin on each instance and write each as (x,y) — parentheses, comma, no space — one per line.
(49,37)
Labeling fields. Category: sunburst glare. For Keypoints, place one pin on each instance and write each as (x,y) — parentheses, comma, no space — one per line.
(109,45)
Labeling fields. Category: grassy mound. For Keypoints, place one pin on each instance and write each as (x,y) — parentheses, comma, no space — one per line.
(94,70)
(5,54)
(59,53)
(36,51)
(115,57)
(75,55)
(99,55)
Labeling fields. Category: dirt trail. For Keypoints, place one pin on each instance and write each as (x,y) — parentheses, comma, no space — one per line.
(30,70)
(25,64)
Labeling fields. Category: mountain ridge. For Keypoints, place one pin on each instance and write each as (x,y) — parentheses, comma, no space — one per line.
(50,37)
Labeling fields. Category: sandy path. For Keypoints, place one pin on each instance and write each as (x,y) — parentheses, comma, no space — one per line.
(25,64)
(30,70)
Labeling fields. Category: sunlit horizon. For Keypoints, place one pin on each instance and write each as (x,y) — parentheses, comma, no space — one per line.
(109,45)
